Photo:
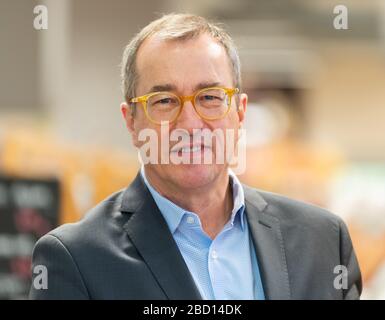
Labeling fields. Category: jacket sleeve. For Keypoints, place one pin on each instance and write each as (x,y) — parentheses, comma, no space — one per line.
(349,260)
(64,280)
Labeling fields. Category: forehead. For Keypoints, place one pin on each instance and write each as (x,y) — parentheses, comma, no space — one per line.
(183,64)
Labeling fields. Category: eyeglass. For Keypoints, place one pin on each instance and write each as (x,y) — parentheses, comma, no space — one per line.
(210,104)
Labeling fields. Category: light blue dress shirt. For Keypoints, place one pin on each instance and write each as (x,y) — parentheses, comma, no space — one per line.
(225,267)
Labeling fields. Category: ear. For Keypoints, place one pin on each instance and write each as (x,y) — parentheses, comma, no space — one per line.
(242,107)
(129,120)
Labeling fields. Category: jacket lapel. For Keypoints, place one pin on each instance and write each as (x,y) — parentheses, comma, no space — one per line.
(149,233)
(268,242)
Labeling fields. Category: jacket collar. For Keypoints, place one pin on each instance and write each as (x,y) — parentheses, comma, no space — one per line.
(266,231)
(149,233)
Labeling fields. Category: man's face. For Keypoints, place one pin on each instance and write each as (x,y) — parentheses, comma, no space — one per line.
(184,67)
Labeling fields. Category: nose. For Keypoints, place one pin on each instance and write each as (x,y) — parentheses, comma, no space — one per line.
(189,119)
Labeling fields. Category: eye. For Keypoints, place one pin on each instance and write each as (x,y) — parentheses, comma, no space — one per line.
(164,101)
(208,97)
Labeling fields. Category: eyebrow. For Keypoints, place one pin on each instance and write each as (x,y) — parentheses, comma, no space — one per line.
(203,85)
(171,87)
(163,87)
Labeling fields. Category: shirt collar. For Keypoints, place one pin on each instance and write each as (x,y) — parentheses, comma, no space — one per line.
(173,214)
(238,199)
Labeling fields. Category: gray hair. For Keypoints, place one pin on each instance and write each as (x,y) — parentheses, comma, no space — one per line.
(175,27)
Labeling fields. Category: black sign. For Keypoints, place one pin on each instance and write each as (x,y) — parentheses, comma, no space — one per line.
(28,210)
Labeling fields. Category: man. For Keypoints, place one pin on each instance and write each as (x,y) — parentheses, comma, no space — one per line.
(190,229)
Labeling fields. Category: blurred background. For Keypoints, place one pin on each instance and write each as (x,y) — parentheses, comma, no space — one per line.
(315,123)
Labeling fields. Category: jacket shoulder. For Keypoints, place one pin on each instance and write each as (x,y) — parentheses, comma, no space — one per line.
(293,211)
(95,222)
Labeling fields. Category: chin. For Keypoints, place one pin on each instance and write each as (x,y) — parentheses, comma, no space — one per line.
(195,175)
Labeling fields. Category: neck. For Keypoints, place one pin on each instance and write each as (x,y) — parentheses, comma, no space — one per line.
(213,202)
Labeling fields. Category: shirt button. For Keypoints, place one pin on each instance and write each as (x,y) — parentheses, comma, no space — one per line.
(214,254)
(190,220)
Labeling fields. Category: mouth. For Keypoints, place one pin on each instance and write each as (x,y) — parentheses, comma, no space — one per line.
(191,150)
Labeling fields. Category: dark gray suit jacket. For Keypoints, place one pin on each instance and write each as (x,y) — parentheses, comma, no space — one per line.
(123,249)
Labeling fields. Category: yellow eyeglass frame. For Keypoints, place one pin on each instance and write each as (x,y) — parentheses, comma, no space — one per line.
(143,100)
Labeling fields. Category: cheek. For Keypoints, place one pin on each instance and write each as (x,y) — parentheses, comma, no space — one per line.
(230,123)
(144,132)
(230,131)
